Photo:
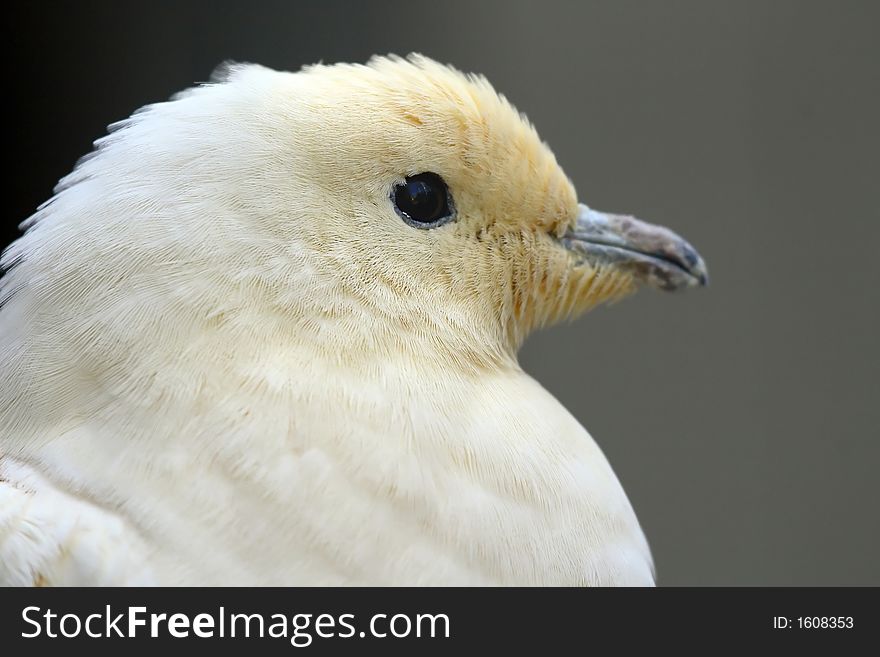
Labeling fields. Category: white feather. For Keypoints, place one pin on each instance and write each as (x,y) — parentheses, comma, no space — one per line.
(227,361)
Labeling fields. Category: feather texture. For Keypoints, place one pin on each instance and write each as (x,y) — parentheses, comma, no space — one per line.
(226,360)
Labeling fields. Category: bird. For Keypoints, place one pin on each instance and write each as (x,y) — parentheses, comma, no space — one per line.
(266,333)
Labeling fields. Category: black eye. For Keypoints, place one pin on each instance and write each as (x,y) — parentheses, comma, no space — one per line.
(423,201)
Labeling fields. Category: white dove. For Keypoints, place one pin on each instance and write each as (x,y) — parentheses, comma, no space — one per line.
(267,333)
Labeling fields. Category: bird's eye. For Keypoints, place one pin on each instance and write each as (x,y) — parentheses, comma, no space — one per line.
(423,201)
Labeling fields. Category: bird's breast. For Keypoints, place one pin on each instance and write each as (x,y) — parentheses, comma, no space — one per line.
(483,480)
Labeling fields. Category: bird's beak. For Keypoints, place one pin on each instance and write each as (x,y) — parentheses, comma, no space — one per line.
(653,254)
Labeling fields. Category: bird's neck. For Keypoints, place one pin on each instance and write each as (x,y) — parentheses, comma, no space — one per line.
(167,357)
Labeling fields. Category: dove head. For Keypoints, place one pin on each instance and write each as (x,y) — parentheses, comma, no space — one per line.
(400,204)
(436,202)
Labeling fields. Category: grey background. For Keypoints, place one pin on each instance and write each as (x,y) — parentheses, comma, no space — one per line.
(741,419)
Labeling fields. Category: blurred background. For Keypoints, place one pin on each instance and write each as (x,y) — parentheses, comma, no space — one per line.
(742,419)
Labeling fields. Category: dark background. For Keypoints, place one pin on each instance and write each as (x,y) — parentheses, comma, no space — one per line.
(743,419)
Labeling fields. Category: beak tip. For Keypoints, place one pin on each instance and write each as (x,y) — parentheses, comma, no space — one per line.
(701,274)
(694,263)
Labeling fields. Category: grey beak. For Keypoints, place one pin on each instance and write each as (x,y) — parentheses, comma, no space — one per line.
(653,254)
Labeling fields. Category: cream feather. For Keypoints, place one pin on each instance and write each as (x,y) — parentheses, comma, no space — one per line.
(226,360)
